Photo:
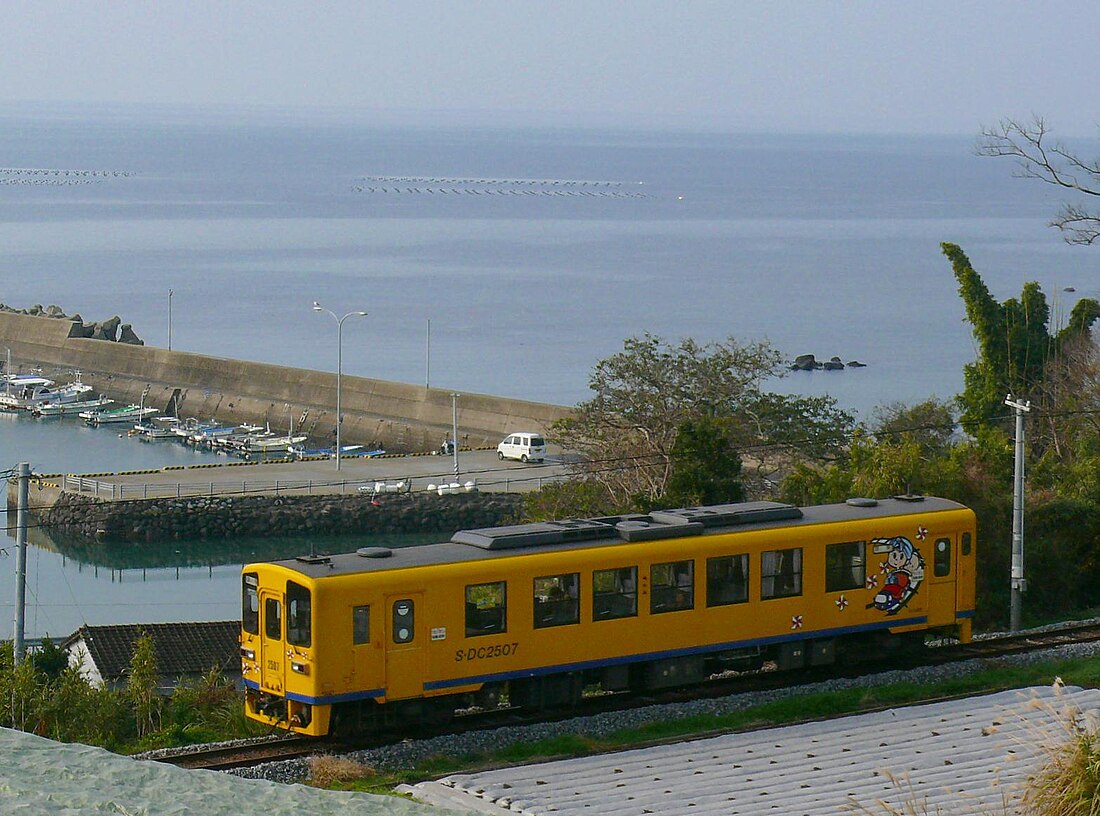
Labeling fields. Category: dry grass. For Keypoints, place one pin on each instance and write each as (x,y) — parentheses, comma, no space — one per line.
(1069,782)
(328,771)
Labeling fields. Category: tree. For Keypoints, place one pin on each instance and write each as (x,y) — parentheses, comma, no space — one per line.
(141,687)
(706,467)
(1014,342)
(1039,156)
(654,398)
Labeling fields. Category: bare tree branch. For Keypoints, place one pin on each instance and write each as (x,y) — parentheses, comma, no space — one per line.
(1038,156)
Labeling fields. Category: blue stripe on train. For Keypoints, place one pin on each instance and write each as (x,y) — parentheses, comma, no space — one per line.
(716,647)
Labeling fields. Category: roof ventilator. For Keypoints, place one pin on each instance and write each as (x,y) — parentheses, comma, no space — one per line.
(374,552)
(859,501)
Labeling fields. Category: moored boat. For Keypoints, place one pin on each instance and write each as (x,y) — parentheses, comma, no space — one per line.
(49,409)
(131,413)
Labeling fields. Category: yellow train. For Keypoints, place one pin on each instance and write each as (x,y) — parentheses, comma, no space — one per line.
(340,643)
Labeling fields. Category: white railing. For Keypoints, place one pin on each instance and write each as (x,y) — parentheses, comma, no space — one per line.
(117,491)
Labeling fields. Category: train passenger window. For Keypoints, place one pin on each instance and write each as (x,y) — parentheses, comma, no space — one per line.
(942,557)
(557,600)
(486,605)
(360,625)
(273,619)
(615,593)
(727,580)
(672,586)
(845,566)
(298,629)
(781,573)
(250,604)
(404,621)
(966,544)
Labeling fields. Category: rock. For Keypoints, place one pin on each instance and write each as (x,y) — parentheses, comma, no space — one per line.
(54,311)
(856,364)
(108,329)
(833,364)
(127,336)
(805,362)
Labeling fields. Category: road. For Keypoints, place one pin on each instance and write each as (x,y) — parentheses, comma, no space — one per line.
(319,476)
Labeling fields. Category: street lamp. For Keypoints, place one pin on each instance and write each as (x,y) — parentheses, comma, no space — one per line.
(317,307)
(170,293)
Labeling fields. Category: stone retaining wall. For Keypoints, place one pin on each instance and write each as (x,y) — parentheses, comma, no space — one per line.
(165,520)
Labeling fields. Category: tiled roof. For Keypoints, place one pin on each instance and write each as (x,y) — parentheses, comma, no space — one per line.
(181,648)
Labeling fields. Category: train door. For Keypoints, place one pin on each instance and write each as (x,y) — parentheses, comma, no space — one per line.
(405,656)
(272,651)
(940,575)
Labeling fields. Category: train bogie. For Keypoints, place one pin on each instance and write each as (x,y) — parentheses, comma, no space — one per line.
(541,612)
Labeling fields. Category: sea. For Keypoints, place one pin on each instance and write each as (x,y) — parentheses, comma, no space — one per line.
(491,258)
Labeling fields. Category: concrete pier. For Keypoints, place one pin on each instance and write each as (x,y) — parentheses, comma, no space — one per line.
(396,416)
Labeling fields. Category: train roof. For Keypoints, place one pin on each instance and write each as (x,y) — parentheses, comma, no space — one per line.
(578,534)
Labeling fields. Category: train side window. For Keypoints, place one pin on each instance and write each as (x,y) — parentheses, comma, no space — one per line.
(360,625)
(966,545)
(614,593)
(557,600)
(672,586)
(845,566)
(727,580)
(942,557)
(486,606)
(273,618)
(298,629)
(404,621)
(781,573)
(250,604)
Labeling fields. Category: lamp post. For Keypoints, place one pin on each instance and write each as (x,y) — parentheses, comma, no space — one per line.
(317,307)
(170,293)
(454,428)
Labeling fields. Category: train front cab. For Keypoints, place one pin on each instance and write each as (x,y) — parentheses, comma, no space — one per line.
(277,663)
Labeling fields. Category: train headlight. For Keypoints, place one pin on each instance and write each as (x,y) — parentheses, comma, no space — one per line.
(301,668)
(248,654)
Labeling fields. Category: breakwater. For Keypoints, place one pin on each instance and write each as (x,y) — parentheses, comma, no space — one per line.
(222,517)
(396,416)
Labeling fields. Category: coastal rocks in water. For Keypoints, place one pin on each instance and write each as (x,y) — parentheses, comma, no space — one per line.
(808,362)
(127,336)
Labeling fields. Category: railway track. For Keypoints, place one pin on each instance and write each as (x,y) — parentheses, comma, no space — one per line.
(291,747)
(244,755)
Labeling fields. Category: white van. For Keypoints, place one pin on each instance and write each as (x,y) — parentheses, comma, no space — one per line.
(527,447)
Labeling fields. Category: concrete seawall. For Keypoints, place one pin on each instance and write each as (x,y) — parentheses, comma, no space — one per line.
(397,416)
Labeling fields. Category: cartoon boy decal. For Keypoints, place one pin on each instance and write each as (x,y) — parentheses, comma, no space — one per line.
(904,568)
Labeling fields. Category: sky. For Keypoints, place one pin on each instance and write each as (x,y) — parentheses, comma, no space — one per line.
(931,66)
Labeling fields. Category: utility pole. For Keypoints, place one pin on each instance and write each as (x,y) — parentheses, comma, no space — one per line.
(18,646)
(1019,583)
(454,428)
(428,356)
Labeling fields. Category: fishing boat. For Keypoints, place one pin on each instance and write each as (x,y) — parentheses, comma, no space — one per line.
(19,389)
(159,428)
(50,409)
(274,444)
(131,413)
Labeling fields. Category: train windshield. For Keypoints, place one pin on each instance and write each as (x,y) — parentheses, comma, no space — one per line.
(250,604)
(298,631)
